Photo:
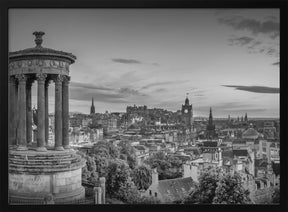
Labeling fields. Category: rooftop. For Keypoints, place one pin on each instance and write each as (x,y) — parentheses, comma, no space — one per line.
(240,152)
(250,132)
(38,50)
(175,189)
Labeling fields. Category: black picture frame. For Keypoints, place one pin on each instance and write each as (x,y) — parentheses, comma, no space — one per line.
(6,5)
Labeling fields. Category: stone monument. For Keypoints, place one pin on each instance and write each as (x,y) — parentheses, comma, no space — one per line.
(38,170)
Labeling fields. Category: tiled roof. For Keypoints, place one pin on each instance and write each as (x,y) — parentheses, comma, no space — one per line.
(239,141)
(227,161)
(240,152)
(227,154)
(210,144)
(261,163)
(250,133)
(175,189)
(140,147)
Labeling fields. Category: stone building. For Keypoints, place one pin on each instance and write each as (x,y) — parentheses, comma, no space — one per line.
(171,190)
(36,169)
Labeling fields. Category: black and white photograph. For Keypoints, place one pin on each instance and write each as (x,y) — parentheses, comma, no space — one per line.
(144,106)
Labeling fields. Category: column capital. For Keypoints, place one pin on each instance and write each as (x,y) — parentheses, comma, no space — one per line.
(12,80)
(21,78)
(66,80)
(58,79)
(47,82)
(41,77)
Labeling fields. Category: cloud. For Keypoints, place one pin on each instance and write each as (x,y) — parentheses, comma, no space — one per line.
(130,92)
(276,63)
(255,89)
(272,51)
(241,40)
(163,83)
(266,27)
(126,61)
(88,86)
(160,90)
(100,96)
(263,35)
(255,44)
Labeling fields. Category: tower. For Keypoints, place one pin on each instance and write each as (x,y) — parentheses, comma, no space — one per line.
(187,119)
(92,109)
(187,116)
(246,118)
(210,129)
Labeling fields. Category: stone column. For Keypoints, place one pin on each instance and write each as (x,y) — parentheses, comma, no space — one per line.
(102,183)
(65,112)
(12,111)
(97,195)
(46,112)
(58,113)
(21,125)
(41,113)
(29,111)
(16,109)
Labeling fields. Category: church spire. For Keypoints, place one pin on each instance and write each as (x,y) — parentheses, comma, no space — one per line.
(246,117)
(210,126)
(210,116)
(92,109)
(187,100)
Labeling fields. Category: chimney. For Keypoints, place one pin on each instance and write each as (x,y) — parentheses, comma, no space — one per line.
(261,149)
(187,170)
(268,153)
(155,176)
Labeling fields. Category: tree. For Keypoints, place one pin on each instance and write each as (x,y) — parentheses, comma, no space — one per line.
(128,153)
(205,191)
(106,149)
(276,196)
(128,193)
(119,184)
(164,165)
(142,177)
(101,165)
(89,173)
(230,191)
(217,188)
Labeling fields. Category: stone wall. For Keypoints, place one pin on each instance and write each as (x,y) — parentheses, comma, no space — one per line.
(33,175)
(62,185)
(263,196)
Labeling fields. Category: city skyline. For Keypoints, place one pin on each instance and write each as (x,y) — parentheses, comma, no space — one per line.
(154,57)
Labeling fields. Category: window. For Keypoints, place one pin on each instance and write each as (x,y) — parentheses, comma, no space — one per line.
(150,192)
(155,194)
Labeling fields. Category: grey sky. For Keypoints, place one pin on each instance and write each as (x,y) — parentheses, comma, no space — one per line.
(225,59)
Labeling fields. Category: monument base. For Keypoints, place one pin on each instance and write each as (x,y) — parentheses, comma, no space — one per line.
(34,175)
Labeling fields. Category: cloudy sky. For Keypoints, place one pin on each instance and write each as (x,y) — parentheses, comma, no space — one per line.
(227,59)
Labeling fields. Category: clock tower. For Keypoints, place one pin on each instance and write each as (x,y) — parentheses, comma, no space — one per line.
(187,119)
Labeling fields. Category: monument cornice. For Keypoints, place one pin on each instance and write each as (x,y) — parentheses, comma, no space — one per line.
(33,56)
